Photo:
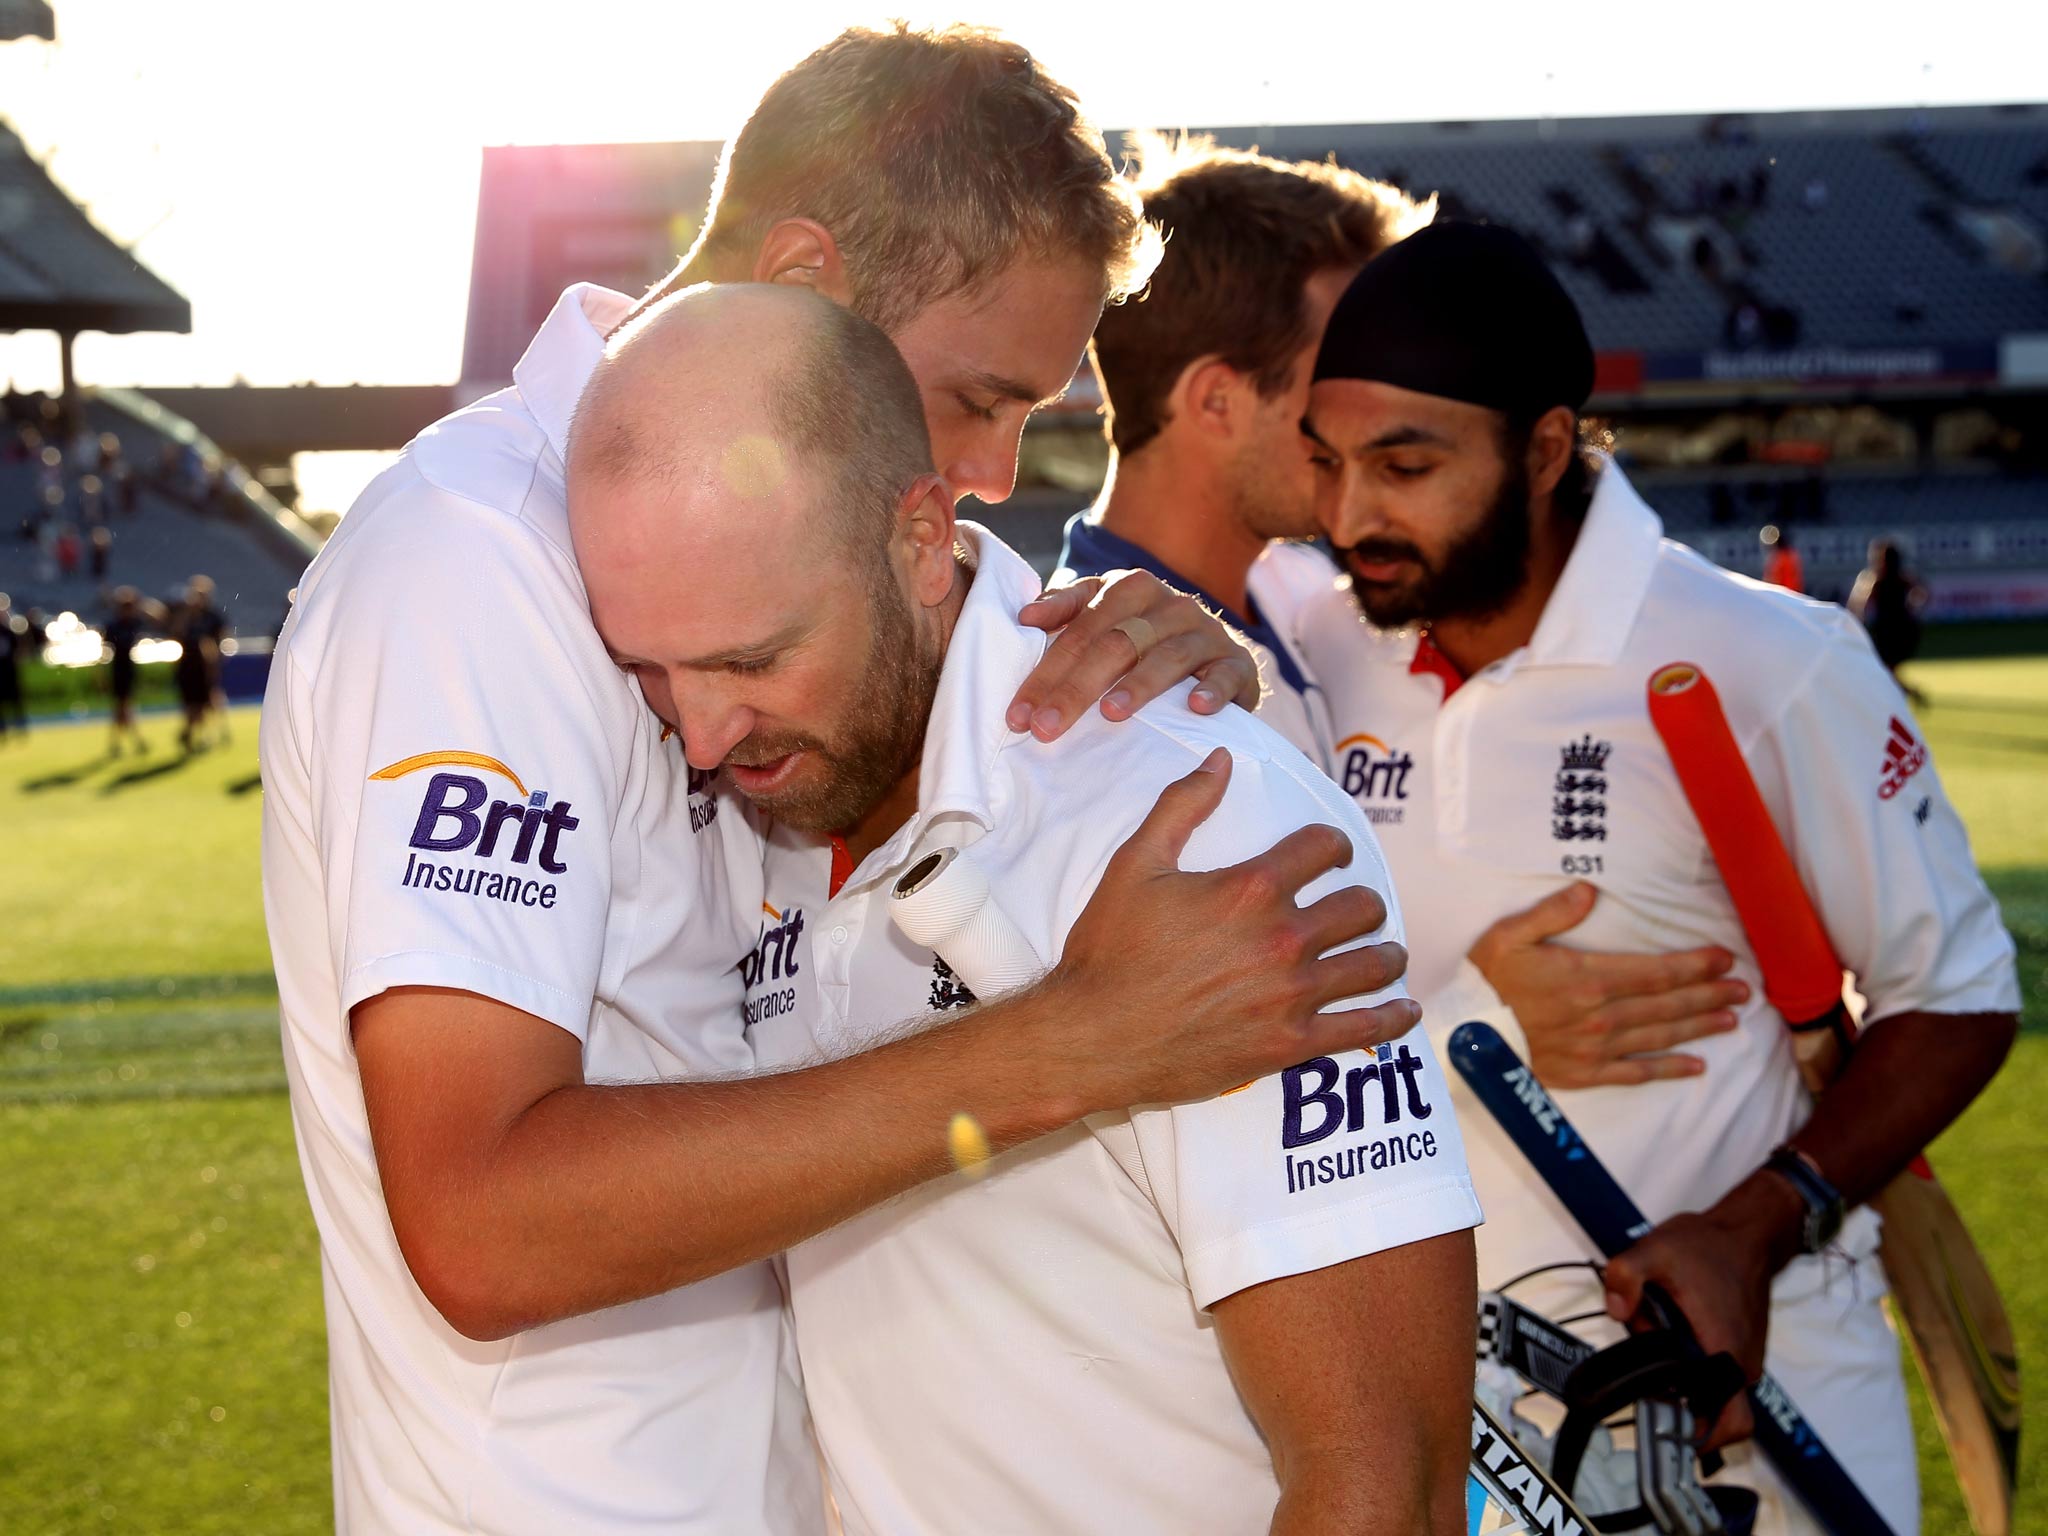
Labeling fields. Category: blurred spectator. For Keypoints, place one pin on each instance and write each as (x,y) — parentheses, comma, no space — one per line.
(110,453)
(50,472)
(199,628)
(1744,327)
(192,473)
(1782,565)
(92,506)
(1759,186)
(121,634)
(46,545)
(102,551)
(224,488)
(14,650)
(1888,599)
(1579,234)
(67,550)
(127,490)
(1706,257)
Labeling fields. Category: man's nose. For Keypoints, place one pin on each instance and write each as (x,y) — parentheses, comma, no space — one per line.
(986,470)
(1349,516)
(711,728)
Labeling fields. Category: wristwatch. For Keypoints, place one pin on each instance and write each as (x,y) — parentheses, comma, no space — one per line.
(1823,1200)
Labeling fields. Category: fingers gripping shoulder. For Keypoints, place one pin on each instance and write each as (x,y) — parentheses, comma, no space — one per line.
(1279,793)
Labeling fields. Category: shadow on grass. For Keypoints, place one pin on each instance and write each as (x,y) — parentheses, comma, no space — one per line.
(1997,741)
(243,786)
(136,776)
(1985,704)
(64,778)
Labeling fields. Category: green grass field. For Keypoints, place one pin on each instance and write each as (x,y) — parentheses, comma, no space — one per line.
(161,1357)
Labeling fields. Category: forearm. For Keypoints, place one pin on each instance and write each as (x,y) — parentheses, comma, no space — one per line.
(1908,1079)
(598,1194)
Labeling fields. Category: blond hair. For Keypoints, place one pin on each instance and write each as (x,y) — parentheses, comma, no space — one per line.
(936,159)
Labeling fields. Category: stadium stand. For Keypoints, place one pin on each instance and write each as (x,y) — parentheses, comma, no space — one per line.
(187,510)
(1859,223)
(194,514)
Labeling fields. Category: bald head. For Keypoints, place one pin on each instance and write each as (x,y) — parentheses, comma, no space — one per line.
(762,404)
(762,544)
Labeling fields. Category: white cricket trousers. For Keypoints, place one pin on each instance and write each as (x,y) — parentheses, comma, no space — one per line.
(1833,1351)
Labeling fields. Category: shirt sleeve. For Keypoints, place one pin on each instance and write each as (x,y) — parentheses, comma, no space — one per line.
(459,727)
(1332,1159)
(1847,775)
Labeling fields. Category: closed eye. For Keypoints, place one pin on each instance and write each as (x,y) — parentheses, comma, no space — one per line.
(980,412)
(749,666)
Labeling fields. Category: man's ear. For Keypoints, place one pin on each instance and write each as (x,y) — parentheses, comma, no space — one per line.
(926,523)
(802,251)
(1210,398)
(1552,441)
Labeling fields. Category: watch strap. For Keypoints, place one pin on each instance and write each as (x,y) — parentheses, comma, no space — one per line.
(1823,1200)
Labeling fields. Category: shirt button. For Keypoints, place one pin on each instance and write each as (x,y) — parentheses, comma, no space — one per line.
(838,935)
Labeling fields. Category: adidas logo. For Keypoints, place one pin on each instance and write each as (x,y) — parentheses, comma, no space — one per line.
(1904,756)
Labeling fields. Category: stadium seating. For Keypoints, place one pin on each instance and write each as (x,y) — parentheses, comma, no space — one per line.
(1857,230)
(253,557)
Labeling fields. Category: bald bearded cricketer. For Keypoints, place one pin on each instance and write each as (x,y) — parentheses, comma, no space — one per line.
(1235,1312)
(1509,596)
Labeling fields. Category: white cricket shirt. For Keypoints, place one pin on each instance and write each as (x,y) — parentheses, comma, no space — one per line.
(1276,586)
(1544,768)
(1029,1352)
(461,790)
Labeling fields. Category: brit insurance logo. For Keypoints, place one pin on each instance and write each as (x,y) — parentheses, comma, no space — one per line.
(769,974)
(501,849)
(1376,1110)
(703,798)
(1376,776)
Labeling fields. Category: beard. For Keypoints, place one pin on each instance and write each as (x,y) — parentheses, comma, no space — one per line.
(880,734)
(1476,576)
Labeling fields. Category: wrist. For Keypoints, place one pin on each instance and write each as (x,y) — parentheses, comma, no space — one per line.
(1766,1212)
(1031,1072)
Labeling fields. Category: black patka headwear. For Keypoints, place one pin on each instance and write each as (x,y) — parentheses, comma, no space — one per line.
(1465,311)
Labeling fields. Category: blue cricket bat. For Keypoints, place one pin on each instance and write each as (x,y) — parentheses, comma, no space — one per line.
(1501,1081)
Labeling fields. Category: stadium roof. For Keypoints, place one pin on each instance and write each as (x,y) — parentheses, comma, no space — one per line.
(59,271)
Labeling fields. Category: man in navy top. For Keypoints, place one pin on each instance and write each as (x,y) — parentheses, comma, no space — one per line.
(1207,379)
